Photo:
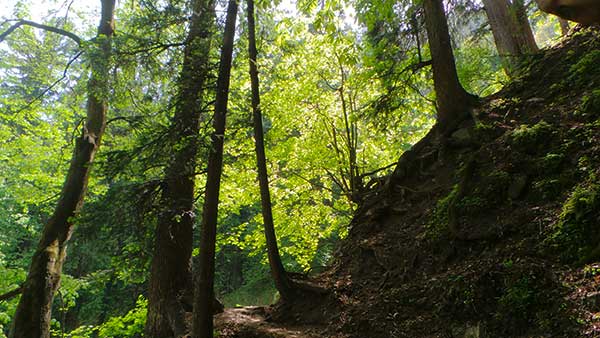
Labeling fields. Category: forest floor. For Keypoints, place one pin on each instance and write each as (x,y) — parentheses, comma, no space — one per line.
(252,322)
(490,232)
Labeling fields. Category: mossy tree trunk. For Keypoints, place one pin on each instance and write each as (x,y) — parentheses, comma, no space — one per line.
(33,314)
(204,288)
(171,276)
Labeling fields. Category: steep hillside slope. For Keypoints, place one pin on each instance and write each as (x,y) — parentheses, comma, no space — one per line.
(494,231)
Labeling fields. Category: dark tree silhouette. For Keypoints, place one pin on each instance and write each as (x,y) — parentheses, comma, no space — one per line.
(453,101)
(282,282)
(204,289)
(171,276)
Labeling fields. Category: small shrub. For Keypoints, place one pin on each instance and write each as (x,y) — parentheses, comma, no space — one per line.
(517,299)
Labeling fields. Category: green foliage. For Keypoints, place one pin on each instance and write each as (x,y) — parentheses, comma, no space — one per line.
(256,291)
(590,105)
(547,188)
(130,325)
(551,163)
(575,235)
(10,279)
(586,65)
(515,304)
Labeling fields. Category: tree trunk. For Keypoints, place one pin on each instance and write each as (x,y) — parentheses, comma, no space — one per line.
(171,274)
(503,28)
(453,101)
(511,30)
(523,33)
(33,314)
(204,289)
(282,282)
(564,26)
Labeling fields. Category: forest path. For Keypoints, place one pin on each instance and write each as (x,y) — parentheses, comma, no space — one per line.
(251,322)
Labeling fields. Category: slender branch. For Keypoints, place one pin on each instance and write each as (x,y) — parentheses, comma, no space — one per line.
(158,48)
(11,294)
(52,29)
(379,169)
(64,76)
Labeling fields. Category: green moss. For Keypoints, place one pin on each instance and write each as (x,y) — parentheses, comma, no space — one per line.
(530,139)
(490,190)
(485,132)
(550,164)
(438,224)
(493,187)
(590,105)
(585,67)
(576,235)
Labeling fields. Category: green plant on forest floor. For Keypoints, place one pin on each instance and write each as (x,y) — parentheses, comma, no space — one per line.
(575,234)
(531,138)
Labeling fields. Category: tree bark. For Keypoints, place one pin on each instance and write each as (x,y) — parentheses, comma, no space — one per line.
(501,22)
(171,275)
(282,282)
(524,33)
(511,30)
(33,314)
(453,101)
(564,26)
(204,288)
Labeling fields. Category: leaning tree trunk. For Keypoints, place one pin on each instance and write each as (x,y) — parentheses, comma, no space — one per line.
(171,275)
(33,315)
(453,101)
(204,288)
(282,282)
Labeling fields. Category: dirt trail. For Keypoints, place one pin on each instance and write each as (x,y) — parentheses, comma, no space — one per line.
(251,322)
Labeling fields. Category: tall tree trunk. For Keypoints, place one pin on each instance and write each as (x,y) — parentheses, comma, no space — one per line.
(204,289)
(171,274)
(511,30)
(524,33)
(503,27)
(453,101)
(33,315)
(282,282)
